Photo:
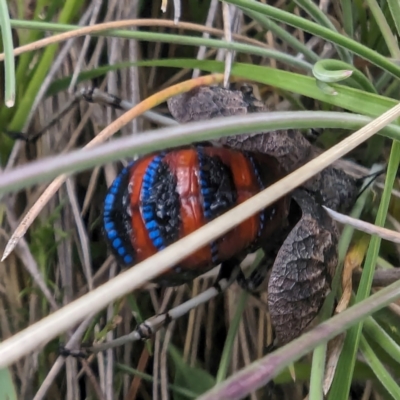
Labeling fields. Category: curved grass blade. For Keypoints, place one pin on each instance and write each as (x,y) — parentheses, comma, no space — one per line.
(348,98)
(105,29)
(329,67)
(78,160)
(321,31)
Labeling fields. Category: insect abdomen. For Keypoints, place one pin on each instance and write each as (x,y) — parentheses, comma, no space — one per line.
(163,197)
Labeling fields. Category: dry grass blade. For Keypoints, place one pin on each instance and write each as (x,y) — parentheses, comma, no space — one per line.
(226,15)
(105,134)
(106,26)
(31,264)
(153,324)
(382,277)
(363,226)
(43,331)
(59,363)
(353,261)
(177,11)
(335,347)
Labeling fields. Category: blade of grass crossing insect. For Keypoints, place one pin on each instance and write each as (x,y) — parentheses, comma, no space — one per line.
(41,170)
(380,371)
(344,372)
(9,62)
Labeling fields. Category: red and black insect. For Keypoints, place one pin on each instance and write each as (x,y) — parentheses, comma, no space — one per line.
(163,197)
(160,198)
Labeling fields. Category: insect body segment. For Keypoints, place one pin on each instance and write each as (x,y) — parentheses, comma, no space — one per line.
(162,197)
(159,210)
(117,228)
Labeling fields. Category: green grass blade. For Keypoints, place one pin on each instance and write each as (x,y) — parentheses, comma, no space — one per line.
(348,98)
(230,338)
(344,372)
(319,355)
(7,388)
(360,14)
(149,378)
(317,373)
(176,39)
(9,64)
(283,34)
(70,8)
(347,13)
(380,371)
(329,65)
(316,13)
(385,29)
(297,83)
(262,371)
(42,170)
(318,30)
(394,7)
(382,338)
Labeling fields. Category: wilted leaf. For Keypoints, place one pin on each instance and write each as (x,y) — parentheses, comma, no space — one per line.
(353,260)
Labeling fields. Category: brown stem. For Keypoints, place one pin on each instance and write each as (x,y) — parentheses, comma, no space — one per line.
(382,277)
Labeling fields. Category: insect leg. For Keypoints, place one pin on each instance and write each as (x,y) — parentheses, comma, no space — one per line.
(257,277)
(228,273)
(34,137)
(94,95)
(270,248)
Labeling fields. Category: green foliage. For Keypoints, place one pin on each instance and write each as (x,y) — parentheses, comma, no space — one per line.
(194,379)
(7,388)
